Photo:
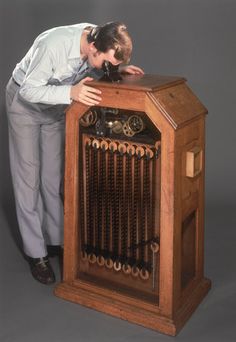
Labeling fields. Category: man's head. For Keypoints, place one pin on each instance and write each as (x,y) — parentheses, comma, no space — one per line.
(109,43)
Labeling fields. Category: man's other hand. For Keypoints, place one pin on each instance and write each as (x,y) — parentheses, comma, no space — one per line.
(131,69)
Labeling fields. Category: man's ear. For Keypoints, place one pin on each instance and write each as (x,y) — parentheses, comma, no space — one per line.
(93,50)
(92,47)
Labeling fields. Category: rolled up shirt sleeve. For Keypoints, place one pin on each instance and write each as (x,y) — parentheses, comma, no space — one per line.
(35,87)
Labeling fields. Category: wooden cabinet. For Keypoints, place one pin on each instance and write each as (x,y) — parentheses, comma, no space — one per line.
(134,202)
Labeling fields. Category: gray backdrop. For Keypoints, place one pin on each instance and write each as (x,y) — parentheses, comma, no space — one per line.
(190,38)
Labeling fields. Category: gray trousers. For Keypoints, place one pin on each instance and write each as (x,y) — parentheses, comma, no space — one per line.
(36,146)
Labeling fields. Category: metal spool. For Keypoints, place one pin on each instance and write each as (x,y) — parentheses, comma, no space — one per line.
(135,271)
(100,260)
(84,256)
(126,268)
(92,258)
(155,247)
(109,263)
(96,143)
(122,148)
(117,265)
(130,150)
(149,153)
(104,145)
(144,274)
(112,146)
(89,118)
(140,151)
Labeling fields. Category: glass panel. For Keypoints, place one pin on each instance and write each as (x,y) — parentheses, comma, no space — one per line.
(119,201)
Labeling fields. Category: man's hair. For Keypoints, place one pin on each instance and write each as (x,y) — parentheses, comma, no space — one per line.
(113,35)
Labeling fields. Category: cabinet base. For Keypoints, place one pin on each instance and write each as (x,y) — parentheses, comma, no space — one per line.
(143,314)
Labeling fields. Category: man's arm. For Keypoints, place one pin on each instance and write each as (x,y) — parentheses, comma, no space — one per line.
(35,87)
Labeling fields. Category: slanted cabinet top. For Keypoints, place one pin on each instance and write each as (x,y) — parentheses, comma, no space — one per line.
(170,95)
(144,82)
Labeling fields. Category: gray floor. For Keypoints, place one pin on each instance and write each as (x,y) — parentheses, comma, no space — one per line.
(194,39)
(30,312)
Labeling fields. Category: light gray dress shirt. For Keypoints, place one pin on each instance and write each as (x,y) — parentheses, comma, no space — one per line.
(46,72)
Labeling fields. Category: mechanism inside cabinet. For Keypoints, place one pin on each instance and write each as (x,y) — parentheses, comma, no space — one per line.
(119,175)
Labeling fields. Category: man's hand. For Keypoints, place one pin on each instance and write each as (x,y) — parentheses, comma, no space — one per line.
(131,69)
(85,94)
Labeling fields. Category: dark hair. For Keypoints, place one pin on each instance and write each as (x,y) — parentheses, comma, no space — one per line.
(113,35)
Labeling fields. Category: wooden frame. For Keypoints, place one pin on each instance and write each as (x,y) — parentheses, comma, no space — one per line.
(180,117)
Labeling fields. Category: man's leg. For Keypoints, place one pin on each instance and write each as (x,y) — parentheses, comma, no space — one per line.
(52,166)
(24,137)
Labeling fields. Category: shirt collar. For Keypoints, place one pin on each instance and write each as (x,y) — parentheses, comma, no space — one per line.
(75,50)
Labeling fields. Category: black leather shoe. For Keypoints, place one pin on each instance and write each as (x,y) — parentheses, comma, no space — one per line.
(42,270)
